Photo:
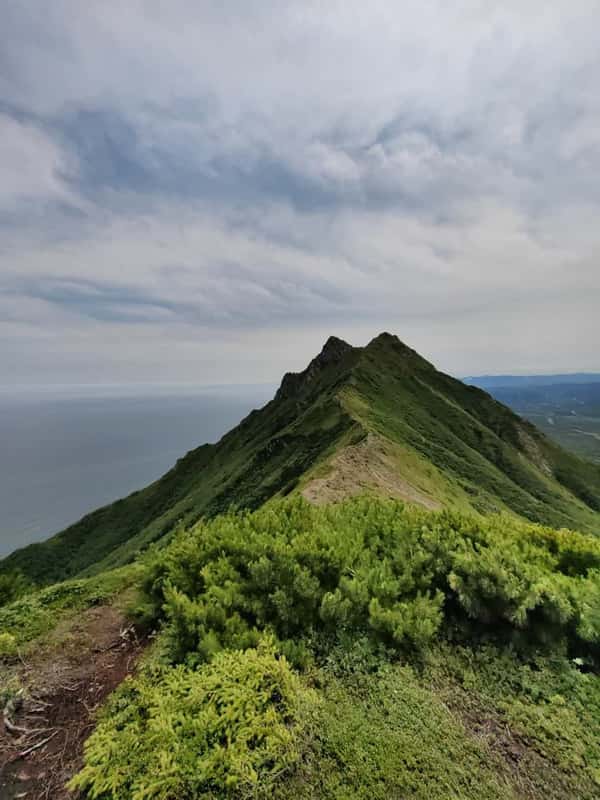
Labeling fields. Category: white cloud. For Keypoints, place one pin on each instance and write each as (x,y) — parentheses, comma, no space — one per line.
(31,165)
(193,177)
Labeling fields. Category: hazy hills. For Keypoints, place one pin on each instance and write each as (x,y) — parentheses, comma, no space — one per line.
(569,413)
(379,418)
(523,381)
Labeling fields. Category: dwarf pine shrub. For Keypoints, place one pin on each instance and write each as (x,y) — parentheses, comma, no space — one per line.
(12,586)
(370,567)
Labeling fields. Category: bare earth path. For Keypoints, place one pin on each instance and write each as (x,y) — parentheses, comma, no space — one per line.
(42,737)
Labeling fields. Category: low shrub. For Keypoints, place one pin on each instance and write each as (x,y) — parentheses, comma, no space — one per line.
(8,645)
(219,731)
(371,567)
(12,586)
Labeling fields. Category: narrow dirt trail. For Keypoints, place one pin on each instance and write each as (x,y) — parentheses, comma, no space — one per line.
(42,735)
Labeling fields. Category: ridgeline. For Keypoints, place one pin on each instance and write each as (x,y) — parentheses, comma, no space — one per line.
(377,419)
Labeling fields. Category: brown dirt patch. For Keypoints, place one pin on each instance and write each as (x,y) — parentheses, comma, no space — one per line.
(527,769)
(505,742)
(360,468)
(64,686)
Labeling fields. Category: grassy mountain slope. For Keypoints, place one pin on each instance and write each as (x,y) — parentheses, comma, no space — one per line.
(416,433)
(499,460)
(361,650)
(264,454)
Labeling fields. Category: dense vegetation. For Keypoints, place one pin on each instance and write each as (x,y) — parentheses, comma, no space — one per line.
(226,728)
(436,655)
(12,585)
(397,575)
(461,446)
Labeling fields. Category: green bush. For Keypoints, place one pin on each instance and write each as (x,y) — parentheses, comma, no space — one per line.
(8,645)
(371,567)
(12,585)
(345,588)
(219,731)
(294,571)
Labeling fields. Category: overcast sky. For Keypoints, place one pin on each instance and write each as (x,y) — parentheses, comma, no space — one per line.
(204,191)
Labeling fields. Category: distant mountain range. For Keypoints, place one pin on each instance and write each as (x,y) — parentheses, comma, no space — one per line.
(568,412)
(376,419)
(521,381)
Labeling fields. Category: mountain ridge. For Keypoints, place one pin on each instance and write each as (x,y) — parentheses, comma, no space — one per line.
(424,437)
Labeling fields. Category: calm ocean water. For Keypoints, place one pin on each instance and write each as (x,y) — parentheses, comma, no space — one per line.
(65,451)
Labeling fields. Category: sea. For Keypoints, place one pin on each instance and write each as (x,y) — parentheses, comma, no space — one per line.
(66,450)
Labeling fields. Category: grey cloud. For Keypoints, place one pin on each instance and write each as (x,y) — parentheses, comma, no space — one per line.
(293,166)
(227,293)
(98,300)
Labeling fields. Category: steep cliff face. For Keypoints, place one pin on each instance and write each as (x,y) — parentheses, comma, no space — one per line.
(336,354)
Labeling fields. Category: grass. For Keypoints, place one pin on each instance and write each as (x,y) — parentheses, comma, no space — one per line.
(379,736)
(467,723)
(550,707)
(27,621)
(501,461)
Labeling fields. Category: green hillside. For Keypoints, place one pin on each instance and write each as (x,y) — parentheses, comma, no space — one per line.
(365,649)
(378,418)
(362,650)
(501,461)
(427,627)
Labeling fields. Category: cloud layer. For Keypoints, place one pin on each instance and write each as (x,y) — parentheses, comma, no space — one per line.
(204,191)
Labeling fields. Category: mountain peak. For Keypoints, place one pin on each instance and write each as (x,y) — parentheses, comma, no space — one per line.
(387,346)
(334,350)
(385,338)
(389,341)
